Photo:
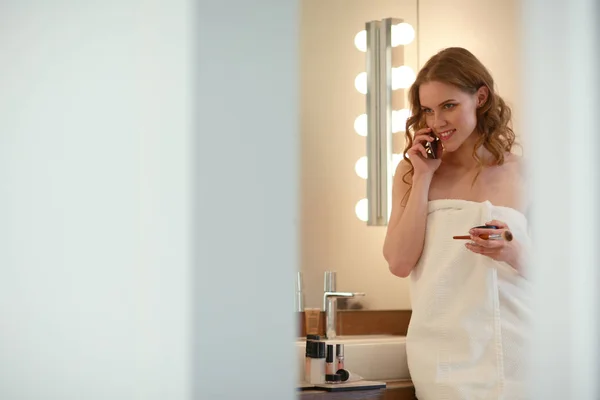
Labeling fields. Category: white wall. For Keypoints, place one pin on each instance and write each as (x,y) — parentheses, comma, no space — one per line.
(562,120)
(246,199)
(110,115)
(95,204)
(490,29)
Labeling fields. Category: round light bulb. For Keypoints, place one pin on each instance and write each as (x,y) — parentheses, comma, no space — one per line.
(399,118)
(360,82)
(402,77)
(360,40)
(402,34)
(360,125)
(362,168)
(362,210)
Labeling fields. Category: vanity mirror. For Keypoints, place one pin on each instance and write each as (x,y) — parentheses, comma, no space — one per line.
(334,233)
(334,104)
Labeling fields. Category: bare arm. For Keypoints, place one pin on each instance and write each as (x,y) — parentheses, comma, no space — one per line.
(405,235)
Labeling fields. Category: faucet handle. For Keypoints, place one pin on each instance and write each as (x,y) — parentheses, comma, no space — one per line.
(343,294)
(299,282)
(299,297)
(330,281)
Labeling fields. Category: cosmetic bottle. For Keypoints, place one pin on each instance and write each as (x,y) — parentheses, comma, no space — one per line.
(329,369)
(312,320)
(310,340)
(339,349)
(316,362)
(330,375)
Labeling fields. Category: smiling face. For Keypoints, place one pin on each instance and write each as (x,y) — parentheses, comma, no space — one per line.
(450,112)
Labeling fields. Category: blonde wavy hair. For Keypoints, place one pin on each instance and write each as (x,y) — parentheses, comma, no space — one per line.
(459,67)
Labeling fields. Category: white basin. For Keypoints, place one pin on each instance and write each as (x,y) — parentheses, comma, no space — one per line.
(374,357)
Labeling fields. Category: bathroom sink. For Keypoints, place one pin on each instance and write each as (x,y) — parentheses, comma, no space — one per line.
(373,357)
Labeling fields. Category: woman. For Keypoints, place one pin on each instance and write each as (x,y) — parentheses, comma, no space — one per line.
(469,298)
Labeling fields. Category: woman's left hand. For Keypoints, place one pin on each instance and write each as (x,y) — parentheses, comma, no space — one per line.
(499,250)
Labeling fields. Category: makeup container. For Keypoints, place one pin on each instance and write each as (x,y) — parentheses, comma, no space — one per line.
(344,375)
(315,362)
(505,235)
(330,363)
(312,320)
(339,349)
(310,339)
(329,367)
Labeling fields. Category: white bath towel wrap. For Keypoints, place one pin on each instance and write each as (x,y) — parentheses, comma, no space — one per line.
(466,338)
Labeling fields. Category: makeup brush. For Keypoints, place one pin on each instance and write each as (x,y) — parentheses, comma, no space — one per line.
(506,235)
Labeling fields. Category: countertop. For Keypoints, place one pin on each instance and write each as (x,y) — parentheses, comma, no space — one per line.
(395,390)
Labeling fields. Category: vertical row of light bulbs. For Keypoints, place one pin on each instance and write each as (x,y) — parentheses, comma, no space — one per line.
(401,78)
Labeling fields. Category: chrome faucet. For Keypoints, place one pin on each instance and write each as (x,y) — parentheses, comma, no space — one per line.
(330,297)
(299,299)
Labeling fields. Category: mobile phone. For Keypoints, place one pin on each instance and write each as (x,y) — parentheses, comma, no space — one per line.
(432,147)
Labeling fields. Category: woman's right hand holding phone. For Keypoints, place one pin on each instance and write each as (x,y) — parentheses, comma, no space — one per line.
(417,154)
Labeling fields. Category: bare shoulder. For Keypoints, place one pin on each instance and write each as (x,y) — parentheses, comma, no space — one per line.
(403,165)
(518,167)
(517,164)
(401,170)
